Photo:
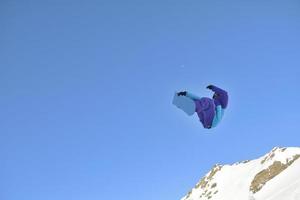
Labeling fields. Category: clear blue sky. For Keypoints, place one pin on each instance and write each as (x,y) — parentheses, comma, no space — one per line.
(86,90)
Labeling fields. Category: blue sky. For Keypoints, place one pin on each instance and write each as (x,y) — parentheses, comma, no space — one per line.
(86,91)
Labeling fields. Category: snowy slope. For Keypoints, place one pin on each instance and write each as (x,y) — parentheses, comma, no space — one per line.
(285,186)
(275,176)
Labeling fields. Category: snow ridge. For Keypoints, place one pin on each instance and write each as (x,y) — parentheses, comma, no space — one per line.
(274,176)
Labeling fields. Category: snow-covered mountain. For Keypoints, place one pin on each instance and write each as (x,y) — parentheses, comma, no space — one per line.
(275,176)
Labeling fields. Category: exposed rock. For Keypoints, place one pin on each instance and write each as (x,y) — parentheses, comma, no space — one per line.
(267,174)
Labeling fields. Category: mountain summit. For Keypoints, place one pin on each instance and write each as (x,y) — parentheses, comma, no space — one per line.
(274,176)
